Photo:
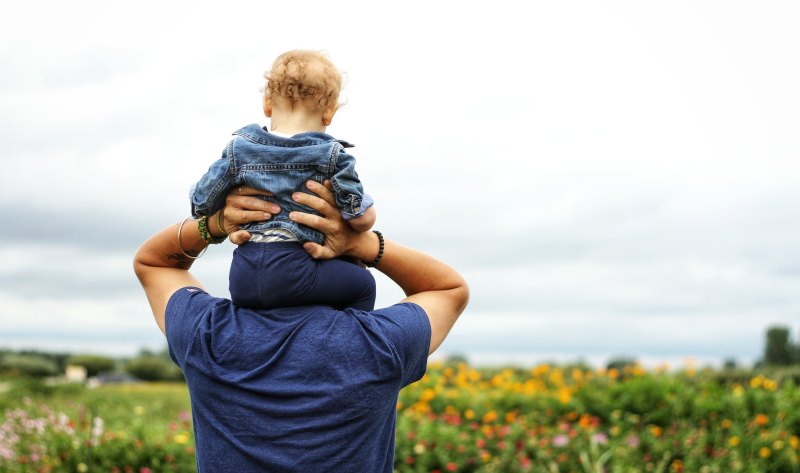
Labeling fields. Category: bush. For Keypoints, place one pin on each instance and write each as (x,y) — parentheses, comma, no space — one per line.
(28,365)
(94,364)
(153,368)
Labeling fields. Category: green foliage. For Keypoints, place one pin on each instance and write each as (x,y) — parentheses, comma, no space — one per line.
(28,365)
(779,349)
(153,368)
(94,364)
(545,419)
(134,428)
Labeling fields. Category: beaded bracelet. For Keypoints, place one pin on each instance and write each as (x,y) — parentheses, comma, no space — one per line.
(202,226)
(180,243)
(380,250)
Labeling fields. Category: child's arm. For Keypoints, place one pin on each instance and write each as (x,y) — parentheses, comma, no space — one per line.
(365,221)
(208,195)
(356,206)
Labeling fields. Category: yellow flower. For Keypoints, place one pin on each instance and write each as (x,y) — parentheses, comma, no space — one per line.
(656,430)
(756,382)
(489,417)
(564,395)
(794,441)
(726,424)
(764,452)
(138,410)
(469,414)
(182,438)
(419,449)
(778,445)
(734,441)
(82,467)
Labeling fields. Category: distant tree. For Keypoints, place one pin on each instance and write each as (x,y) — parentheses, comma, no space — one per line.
(779,349)
(456,359)
(619,363)
(94,364)
(28,365)
(153,368)
(730,364)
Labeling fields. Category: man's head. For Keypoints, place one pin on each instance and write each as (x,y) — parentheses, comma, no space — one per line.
(306,79)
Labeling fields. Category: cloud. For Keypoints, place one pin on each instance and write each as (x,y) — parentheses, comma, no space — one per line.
(605,184)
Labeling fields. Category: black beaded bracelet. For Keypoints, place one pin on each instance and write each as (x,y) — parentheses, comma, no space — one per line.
(380,250)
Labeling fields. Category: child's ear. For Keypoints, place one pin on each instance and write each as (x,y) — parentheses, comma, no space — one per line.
(267,106)
(327,115)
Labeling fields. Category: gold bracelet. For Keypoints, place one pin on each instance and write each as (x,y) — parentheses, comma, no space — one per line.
(219,222)
(180,243)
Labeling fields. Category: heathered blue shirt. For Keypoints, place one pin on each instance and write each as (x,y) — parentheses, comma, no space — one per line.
(300,389)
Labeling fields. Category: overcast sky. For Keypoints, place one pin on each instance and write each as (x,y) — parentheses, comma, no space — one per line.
(612,178)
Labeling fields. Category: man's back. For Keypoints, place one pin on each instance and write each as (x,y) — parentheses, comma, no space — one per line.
(295,389)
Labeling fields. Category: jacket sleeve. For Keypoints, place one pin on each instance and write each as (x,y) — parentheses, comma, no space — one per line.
(347,188)
(208,195)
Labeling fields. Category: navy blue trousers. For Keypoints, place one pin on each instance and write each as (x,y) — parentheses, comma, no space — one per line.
(269,275)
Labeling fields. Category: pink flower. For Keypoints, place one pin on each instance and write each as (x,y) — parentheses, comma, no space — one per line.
(560,440)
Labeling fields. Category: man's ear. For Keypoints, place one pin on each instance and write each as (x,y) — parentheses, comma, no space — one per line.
(267,106)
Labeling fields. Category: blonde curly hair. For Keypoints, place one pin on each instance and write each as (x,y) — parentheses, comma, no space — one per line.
(304,77)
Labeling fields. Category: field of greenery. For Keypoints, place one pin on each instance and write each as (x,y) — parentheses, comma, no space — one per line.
(456,419)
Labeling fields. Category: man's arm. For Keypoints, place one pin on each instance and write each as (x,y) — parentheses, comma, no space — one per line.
(436,287)
(162,264)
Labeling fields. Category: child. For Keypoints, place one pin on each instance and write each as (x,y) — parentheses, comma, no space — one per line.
(272,269)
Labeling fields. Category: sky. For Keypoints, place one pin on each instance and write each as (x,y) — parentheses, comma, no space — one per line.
(611,178)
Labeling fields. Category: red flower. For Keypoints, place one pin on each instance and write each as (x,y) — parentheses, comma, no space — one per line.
(451,466)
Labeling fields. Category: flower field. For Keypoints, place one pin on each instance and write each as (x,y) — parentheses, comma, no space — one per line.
(457,418)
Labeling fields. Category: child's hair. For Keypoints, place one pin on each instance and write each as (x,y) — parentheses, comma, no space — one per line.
(304,76)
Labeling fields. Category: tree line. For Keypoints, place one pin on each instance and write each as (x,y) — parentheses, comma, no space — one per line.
(779,350)
(146,366)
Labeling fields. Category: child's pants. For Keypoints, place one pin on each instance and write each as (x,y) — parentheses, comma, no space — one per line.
(269,275)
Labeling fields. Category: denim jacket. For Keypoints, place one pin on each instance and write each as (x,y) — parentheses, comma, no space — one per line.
(257,158)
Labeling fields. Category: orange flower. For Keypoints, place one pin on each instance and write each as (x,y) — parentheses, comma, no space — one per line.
(762,419)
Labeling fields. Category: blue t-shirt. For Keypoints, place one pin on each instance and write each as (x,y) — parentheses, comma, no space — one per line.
(305,389)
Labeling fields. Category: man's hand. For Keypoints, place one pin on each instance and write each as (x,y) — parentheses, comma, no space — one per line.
(241,207)
(340,237)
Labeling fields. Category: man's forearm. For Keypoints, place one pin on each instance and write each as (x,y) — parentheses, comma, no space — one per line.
(165,250)
(415,271)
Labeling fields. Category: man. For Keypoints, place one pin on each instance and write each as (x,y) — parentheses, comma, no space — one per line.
(308,388)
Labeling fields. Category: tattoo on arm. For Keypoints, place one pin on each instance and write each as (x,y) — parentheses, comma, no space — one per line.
(181,261)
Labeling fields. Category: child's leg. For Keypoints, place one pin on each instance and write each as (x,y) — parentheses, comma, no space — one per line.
(268,275)
(343,284)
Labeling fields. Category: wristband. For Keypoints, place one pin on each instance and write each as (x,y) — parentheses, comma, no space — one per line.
(380,250)
(202,226)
